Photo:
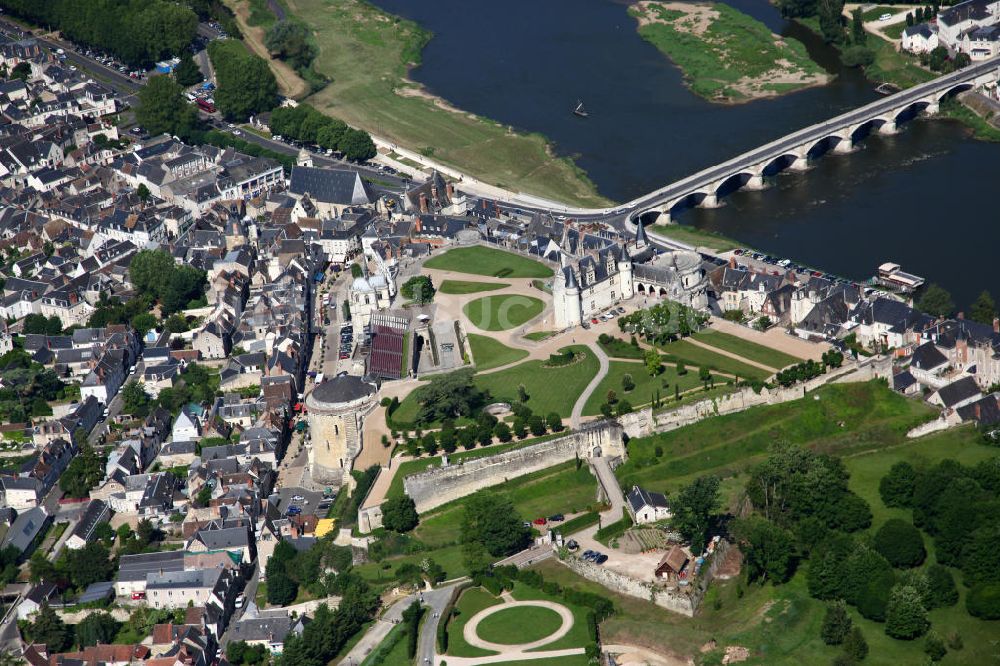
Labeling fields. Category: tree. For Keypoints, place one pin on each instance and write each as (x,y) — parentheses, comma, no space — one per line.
(905,615)
(144,322)
(896,487)
(21,71)
(281,589)
(830,14)
(769,550)
(941,587)
(983,601)
(934,647)
(984,309)
(97,628)
(186,73)
(491,520)
(693,507)
(623,407)
(399,514)
(448,396)
(554,421)
(936,301)
(48,628)
(419,289)
(164,109)
(857,56)
(909,19)
(536,425)
(836,623)
(357,145)
(855,645)
(290,41)
(90,564)
(502,432)
(858,34)
(83,473)
(246,85)
(654,365)
(900,543)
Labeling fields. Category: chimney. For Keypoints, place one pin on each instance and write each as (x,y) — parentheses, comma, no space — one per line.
(732,261)
(978,411)
(423,203)
(996,325)
(960,315)
(450,189)
(434,192)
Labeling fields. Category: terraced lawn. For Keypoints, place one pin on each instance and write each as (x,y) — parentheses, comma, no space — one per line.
(645,386)
(549,389)
(468,287)
(501,313)
(488,353)
(747,349)
(695,357)
(479,260)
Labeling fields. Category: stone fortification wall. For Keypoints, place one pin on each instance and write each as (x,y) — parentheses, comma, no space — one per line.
(644,422)
(441,485)
(685,602)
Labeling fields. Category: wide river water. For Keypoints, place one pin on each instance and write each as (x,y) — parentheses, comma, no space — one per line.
(916,198)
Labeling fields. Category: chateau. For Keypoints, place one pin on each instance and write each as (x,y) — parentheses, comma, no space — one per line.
(610,275)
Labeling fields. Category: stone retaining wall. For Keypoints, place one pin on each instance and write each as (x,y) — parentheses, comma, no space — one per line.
(441,485)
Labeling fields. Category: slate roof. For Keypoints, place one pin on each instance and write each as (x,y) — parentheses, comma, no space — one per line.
(927,357)
(342,389)
(337,186)
(957,391)
(639,497)
(985,411)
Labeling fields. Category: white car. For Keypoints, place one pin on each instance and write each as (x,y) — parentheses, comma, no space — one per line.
(297,498)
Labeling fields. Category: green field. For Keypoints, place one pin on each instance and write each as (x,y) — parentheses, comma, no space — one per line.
(549,389)
(747,349)
(695,357)
(519,625)
(845,418)
(516,625)
(696,237)
(874,13)
(726,55)
(538,336)
(466,287)
(488,353)
(479,260)
(366,54)
(645,386)
(500,313)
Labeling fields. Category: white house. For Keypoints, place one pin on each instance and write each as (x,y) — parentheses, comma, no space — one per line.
(646,507)
(922,38)
(186,427)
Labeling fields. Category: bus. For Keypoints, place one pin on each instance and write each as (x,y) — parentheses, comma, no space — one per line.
(206,106)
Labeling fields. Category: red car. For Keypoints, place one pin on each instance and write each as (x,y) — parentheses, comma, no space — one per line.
(539,521)
(595,320)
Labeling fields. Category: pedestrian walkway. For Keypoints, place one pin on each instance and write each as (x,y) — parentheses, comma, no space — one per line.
(602,372)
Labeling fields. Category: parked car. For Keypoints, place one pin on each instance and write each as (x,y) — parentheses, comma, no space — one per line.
(297,498)
(555,518)
(601,558)
(539,521)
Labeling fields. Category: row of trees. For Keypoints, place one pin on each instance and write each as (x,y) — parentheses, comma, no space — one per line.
(306,124)
(138,33)
(663,322)
(246,85)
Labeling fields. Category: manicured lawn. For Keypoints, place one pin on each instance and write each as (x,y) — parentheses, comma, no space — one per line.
(366,54)
(471,602)
(747,349)
(560,489)
(618,348)
(694,357)
(874,13)
(538,336)
(645,386)
(549,389)
(734,57)
(479,260)
(466,287)
(380,574)
(488,353)
(500,313)
(519,625)
(846,418)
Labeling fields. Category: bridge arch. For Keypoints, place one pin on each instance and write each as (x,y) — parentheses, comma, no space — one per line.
(865,128)
(733,182)
(910,111)
(779,163)
(955,89)
(823,145)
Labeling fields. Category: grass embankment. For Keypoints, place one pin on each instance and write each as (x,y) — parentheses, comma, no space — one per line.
(746,349)
(501,313)
(980,126)
(479,260)
(467,287)
(694,357)
(488,353)
(696,237)
(726,56)
(866,423)
(366,53)
(549,388)
(254,18)
(645,386)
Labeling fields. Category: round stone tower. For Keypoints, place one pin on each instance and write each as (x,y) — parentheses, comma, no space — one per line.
(337,410)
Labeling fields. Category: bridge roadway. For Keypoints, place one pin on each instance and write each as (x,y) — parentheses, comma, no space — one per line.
(797,144)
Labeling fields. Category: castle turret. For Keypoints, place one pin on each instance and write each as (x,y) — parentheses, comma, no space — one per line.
(566,298)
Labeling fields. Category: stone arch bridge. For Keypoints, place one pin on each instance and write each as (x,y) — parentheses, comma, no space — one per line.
(794,150)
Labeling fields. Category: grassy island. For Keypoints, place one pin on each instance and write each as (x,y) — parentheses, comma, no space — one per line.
(366,54)
(726,56)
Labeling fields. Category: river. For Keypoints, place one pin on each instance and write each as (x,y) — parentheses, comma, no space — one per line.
(525,63)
